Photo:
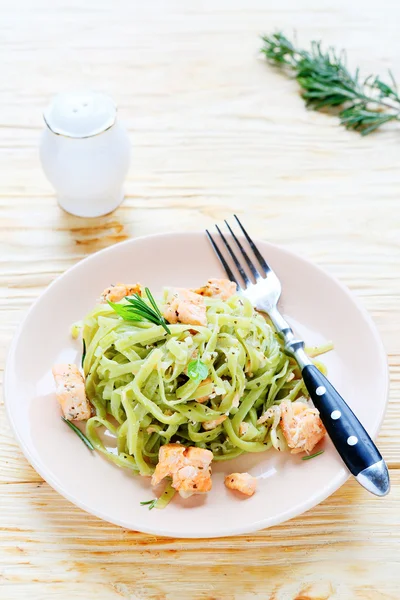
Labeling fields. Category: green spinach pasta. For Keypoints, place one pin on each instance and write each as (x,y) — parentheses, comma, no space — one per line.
(136,378)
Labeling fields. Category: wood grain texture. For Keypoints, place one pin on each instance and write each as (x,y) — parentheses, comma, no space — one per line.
(214,130)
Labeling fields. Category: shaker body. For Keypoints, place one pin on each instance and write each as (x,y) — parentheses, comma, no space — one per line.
(88,173)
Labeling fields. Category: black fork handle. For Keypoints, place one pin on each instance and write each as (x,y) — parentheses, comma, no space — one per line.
(351,440)
(354,445)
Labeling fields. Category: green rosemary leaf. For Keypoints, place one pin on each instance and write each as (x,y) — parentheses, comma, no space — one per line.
(140,305)
(143,314)
(392,79)
(309,456)
(367,130)
(148,314)
(152,301)
(83,351)
(197,370)
(79,433)
(150,503)
(163,322)
(125,311)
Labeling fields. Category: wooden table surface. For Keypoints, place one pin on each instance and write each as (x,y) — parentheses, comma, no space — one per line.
(214,130)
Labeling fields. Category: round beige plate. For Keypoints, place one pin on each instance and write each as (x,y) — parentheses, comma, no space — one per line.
(316,305)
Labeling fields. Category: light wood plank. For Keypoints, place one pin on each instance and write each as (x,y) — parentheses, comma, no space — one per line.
(330,551)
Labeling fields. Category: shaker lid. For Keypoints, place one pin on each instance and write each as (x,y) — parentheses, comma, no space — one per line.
(80,114)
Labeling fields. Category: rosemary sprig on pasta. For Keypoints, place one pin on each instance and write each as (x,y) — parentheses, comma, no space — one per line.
(138,310)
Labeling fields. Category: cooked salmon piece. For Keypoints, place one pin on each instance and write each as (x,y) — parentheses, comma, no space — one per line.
(171,457)
(218,288)
(71,393)
(203,399)
(243,428)
(269,414)
(209,425)
(301,426)
(115,293)
(189,480)
(184,306)
(189,468)
(242,482)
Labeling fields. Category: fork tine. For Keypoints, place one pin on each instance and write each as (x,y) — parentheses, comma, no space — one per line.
(222,260)
(233,256)
(252,268)
(256,251)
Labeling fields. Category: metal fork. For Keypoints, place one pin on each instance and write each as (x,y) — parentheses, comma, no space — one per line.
(352,442)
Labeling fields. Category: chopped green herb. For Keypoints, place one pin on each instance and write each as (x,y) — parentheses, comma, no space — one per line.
(79,433)
(197,370)
(312,455)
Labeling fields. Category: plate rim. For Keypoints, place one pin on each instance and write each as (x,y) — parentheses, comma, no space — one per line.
(291,513)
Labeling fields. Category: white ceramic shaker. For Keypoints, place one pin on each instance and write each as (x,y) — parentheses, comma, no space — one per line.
(85,153)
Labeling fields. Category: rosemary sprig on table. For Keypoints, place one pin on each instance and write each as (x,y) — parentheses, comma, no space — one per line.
(326,82)
(138,310)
